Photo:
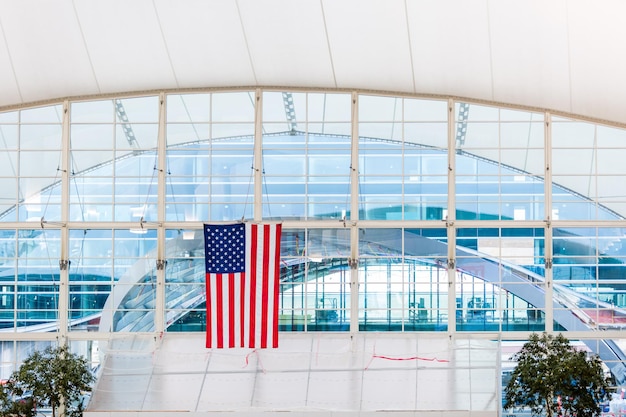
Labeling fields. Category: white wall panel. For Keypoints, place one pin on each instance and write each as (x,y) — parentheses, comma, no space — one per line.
(598,64)
(10,88)
(287,42)
(450,46)
(369,44)
(558,55)
(314,372)
(47,51)
(125,45)
(530,53)
(206,43)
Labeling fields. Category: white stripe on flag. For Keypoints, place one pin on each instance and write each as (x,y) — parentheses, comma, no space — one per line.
(258,289)
(247,289)
(273,282)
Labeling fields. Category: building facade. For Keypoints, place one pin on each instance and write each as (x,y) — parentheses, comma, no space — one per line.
(419,217)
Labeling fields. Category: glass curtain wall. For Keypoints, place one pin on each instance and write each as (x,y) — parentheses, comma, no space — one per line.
(399,214)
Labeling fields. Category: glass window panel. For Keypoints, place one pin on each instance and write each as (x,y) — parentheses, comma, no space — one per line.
(427,134)
(510,115)
(381,163)
(96,163)
(322,164)
(232,131)
(8,160)
(40,137)
(291,142)
(391,131)
(137,109)
(526,160)
(608,187)
(235,209)
(37,204)
(183,133)
(232,107)
(425,110)
(328,295)
(8,136)
(281,106)
(573,161)
(282,129)
(8,199)
(522,135)
(330,108)
(573,134)
(490,155)
(186,108)
(610,137)
(92,112)
(48,114)
(331,128)
(479,113)
(9,117)
(481,135)
(425,164)
(38,163)
(396,290)
(142,165)
(91,136)
(378,108)
(185,277)
(293,166)
(136,136)
(611,161)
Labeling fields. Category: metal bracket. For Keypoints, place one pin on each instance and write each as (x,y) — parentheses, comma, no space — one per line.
(160,264)
(451,263)
(353,263)
(548,263)
(64,264)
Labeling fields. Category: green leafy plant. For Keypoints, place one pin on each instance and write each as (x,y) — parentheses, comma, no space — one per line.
(54,378)
(553,378)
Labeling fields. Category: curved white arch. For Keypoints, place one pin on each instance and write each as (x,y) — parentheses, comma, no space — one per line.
(557,55)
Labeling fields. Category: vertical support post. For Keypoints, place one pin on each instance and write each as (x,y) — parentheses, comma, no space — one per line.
(450,219)
(354,215)
(159,313)
(64,273)
(258,155)
(548,256)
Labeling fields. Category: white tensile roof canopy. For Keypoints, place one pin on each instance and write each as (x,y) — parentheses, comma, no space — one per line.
(563,56)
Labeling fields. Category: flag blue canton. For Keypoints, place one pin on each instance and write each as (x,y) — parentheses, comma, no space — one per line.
(225,247)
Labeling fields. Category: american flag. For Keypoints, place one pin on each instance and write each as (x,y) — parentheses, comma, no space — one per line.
(242,283)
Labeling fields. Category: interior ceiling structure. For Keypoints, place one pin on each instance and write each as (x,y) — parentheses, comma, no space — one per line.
(557,55)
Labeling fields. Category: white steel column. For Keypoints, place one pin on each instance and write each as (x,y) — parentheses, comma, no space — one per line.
(64,263)
(257,165)
(159,313)
(450,218)
(352,223)
(548,256)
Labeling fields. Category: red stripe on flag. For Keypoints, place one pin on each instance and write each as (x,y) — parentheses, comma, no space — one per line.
(265,289)
(276,275)
(219,310)
(231,310)
(253,277)
(242,309)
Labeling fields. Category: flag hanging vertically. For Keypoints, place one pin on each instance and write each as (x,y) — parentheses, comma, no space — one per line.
(242,284)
